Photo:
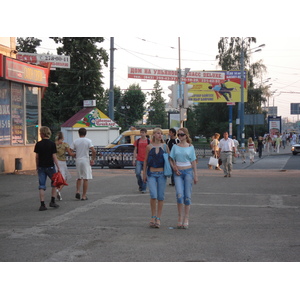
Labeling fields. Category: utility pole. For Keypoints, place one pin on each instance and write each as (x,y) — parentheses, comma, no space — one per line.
(181,109)
(179,70)
(111,87)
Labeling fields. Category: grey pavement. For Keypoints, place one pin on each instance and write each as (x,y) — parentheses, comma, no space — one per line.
(253,216)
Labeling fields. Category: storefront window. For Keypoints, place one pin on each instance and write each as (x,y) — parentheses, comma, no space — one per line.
(17,113)
(32,114)
(4,113)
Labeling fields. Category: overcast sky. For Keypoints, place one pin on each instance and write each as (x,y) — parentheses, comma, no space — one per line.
(281,55)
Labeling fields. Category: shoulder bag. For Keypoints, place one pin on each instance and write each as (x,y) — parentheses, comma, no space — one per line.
(167,166)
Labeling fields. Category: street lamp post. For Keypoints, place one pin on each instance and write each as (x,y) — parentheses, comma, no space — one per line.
(242,132)
(242,106)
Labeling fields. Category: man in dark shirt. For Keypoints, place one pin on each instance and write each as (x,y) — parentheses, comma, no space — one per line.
(172,140)
(45,158)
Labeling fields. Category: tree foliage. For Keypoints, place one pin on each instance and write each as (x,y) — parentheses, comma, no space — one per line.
(129,105)
(83,81)
(28,44)
(213,117)
(157,107)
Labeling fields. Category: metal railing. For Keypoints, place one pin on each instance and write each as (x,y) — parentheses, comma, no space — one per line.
(106,157)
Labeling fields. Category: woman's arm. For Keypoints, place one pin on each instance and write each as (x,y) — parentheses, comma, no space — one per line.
(70,152)
(145,164)
(194,166)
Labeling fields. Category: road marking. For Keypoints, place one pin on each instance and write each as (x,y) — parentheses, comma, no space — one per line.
(275,201)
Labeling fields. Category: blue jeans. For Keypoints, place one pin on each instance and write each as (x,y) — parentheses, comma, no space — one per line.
(183,185)
(157,185)
(43,173)
(138,170)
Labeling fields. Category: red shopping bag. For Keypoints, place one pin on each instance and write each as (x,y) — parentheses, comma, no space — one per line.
(58,180)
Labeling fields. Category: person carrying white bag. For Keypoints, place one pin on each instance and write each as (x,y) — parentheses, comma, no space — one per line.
(214,161)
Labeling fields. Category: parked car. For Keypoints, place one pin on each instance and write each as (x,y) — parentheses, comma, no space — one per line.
(296,149)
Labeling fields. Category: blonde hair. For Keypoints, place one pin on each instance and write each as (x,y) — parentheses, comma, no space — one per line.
(185,130)
(156,130)
(250,140)
(216,135)
(45,131)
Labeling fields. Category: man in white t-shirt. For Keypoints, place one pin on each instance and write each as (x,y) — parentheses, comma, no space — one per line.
(226,149)
(82,146)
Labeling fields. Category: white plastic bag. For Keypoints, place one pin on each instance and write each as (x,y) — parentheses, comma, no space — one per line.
(213,161)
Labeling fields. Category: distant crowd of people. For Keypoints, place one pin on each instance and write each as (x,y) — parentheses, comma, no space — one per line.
(266,143)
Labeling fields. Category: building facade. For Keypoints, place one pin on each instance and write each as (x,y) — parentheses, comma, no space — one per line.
(21,88)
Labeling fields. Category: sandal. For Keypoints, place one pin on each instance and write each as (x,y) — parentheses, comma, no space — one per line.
(152,224)
(157,225)
(185,225)
(179,225)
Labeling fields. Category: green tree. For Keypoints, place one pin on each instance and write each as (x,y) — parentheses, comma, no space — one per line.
(83,81)
(157,107)
(28,44)
(132,105)
(230,58)
(213,117)
(206,119)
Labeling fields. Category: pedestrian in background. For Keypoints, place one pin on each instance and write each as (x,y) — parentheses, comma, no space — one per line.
(226,150)
(242,151)
(236,145)
(293,139)
(278,142)
(260,146)
(172,140)
(153,173)
(183,161)
(82,146)
(45,159)
(215,149)
(269,143)
(283,140)
(211,147)
(139,154)
(251,150)
(62,149)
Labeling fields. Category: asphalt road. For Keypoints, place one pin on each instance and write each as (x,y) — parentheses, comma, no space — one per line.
(253,216)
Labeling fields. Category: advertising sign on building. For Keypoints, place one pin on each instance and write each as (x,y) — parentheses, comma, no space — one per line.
(57,61)
(225,88)
(1,65)
(209,86)
(95,118)
(172,75)
(274,125)
(25,73)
